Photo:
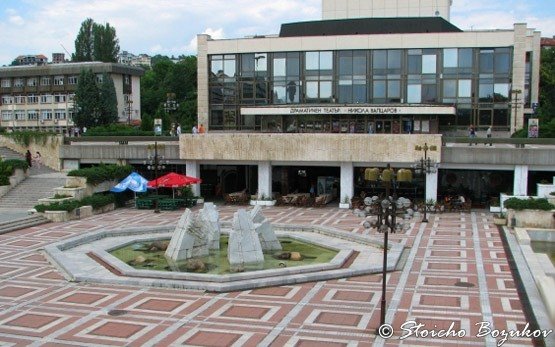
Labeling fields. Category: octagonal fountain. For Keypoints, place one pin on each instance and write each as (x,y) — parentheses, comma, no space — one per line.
(201,252)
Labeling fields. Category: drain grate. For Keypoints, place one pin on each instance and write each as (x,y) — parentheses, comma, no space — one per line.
(465,284)
(116,313)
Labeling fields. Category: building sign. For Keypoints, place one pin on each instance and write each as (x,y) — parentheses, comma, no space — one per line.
(533,127)
(349,110)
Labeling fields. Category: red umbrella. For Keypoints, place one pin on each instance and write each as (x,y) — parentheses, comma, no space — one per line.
(173,180)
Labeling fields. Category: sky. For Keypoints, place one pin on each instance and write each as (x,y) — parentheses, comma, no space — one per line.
(169,27)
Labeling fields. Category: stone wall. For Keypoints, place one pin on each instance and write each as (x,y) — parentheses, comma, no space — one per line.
(532,219)
(307,147)
(50,150)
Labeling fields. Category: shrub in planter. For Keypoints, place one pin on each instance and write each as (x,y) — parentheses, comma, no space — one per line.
(4,180)
(97,200)
(15,164)
(528,204)
(59,206)
(103,172)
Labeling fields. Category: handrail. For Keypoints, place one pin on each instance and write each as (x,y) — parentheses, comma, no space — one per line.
(510,141)
(121,139)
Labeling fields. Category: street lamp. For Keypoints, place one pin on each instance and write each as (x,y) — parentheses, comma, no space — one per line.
(386,211)
(155,162)
(171,105)
(515,103)
(425,165)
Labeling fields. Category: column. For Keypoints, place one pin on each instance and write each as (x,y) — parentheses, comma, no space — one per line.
(264,179)
(431,186)
(192,168)
(346,186)
(520,186)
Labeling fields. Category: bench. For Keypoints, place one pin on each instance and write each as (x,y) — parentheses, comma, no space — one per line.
(168,204)
(144,204)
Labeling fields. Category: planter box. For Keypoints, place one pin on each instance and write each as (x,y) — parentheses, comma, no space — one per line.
(88,189)
(76,193)
(48,201)
(75,181)
(263,202)
(104,209)
(499,221)
(532,218)
(18,176)
(57,216)
(82,212)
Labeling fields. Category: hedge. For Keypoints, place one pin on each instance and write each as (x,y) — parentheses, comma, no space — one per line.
(8,167)
(96,201)
(103,172)
(528,204)
(117,130)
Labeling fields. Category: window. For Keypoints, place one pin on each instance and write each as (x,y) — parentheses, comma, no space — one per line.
(501,92)
(449,89)
(58,80)
(59,114)
(46,114)
(7,99)
(6,115)
(18,82)
(322,61)
(414,93)
(45,81)
(450,57)
(486,61)
(223,66)
(465,88)
(31,81)
(33,114)
(6,83)
(19,99)
(428,63)
(46,99)
(59,98)
(32,99)
(72,80)
(19,115)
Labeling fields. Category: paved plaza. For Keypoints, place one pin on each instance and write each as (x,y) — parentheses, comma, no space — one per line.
(39,307)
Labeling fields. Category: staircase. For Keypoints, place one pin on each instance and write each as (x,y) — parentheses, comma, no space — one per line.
(38,185)
(17,224)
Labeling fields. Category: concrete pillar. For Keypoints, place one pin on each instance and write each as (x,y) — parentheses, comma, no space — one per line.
(192,168)
(520,186)
(347,184)
(431,186)
(264,179)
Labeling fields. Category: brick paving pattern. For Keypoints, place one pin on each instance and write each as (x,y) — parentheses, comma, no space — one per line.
(39,307)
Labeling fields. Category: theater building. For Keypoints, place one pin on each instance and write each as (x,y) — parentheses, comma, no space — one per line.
(323,100)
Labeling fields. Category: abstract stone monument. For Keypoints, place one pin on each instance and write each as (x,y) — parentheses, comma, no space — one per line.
(190,239)
(244,245)
(265,231)
(210,220)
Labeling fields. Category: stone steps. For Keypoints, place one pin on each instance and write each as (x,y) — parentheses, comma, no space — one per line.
(26,194)
(22,223)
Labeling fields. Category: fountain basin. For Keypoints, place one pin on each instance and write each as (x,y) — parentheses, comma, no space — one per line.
(86,258)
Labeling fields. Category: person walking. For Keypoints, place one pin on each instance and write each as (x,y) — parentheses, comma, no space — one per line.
(38,159)
(178,129)
(488,134)
(195,130)
(29,158)
(201,129)
(471,134)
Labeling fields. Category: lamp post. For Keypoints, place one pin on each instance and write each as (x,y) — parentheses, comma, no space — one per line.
(171,105)
(386,211)
(515,103)
(129,108)
(155,163)
(425,165)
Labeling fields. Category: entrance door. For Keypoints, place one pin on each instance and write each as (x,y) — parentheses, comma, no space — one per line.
(485,118)
(383,127)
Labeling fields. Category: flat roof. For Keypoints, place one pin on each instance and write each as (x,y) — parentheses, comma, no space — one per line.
(368,26)
(68,69)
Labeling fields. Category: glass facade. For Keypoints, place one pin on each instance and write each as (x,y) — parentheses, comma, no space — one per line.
(475,80)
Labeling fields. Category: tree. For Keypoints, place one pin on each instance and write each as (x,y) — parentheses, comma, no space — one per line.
(84,43)
(96,42)
(108,102)
(95,103)
(86,100)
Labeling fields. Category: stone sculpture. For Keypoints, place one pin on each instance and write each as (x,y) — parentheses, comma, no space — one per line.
(190,239)
(244,245)
(210,220)
(265,231)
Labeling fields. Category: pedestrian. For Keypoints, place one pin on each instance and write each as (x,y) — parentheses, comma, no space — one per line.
(488,134)
(38,159)
(178,130)
(201,129)
(471,134)
(29,158)
(195,130)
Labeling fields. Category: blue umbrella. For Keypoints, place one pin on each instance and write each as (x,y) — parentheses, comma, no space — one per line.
(134,182)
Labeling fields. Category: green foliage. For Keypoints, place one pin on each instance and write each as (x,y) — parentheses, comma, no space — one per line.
(2,130)
(8,167)
(96,201)
(547,130)
(116,129)
(24,138)
(96,42)
(61,196)
(68,205)
(168,77)
(528,204)
(187,192)
(546,111)
(95,104)
(103,172)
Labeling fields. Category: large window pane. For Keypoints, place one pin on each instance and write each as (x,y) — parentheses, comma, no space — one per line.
(229,68)
(414,93)
(465,57)
(502,63)
(217,67)
(345,92)
(345,63)
(293,88)
(428,63)
(379,60)
(293,64)
(486,61)
(501,91)
(279,67)
(450,57)
(359,93)
(393,89)
(429,93)
(394,61)
(486,91)
(449,88)
(465,88)
(378,90)
(325,89)
(247,64)
(260,62)
(359,63)
(326,60)
(415,64)
(501,117)
(312,60)
(312,90)
(279,94)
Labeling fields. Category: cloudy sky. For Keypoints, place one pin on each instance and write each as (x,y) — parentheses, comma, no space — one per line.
(169,27)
